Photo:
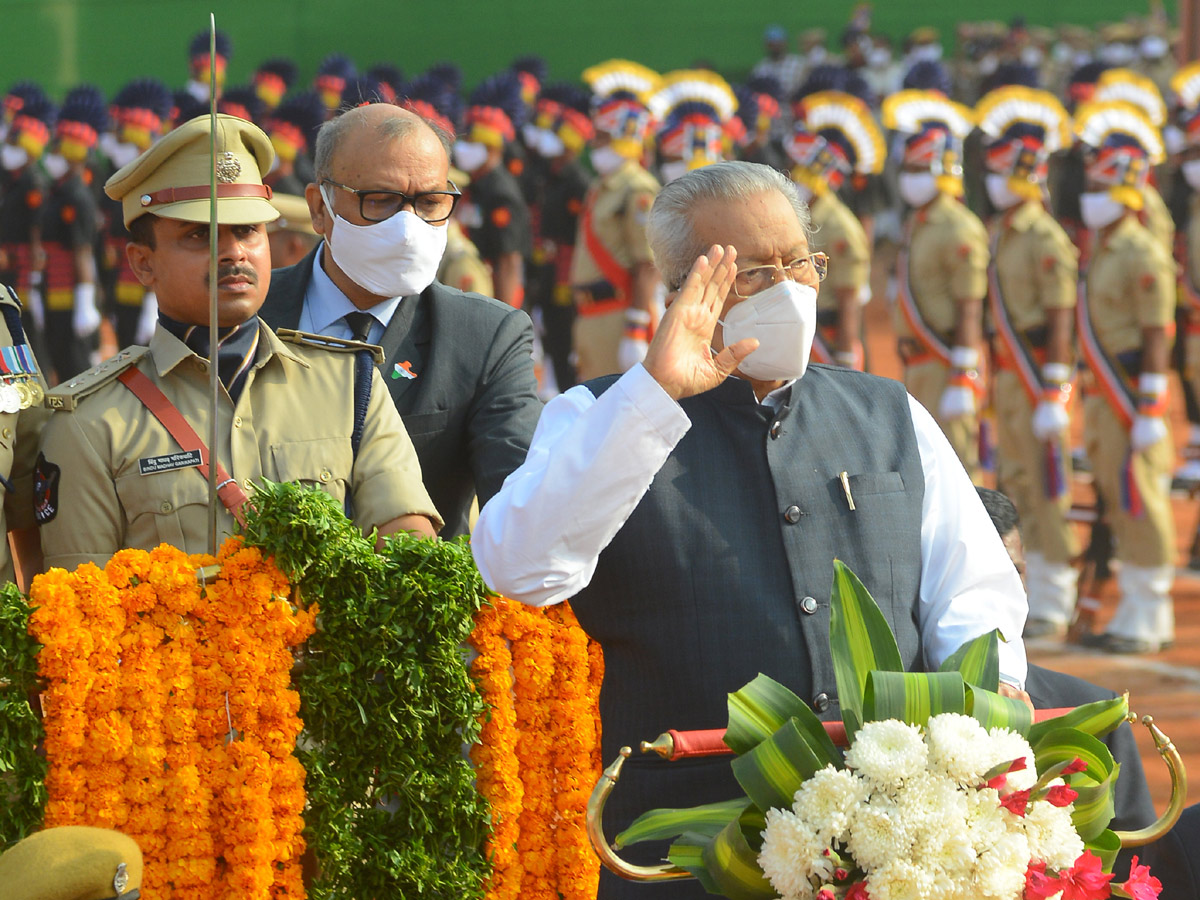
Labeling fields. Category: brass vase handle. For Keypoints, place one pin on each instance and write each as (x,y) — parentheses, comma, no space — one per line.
(1167,750)
(595,830)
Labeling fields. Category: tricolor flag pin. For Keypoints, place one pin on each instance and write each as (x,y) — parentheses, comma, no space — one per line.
(404,370)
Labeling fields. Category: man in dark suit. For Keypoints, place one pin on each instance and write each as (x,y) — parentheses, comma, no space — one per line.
(458,365)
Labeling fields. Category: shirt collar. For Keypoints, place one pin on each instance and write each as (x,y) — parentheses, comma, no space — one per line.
(168,351)
(325,305)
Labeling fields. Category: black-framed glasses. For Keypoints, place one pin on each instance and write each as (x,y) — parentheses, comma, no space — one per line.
(749,282)
(377,206)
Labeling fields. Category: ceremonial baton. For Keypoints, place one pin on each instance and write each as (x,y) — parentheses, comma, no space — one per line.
(214,381)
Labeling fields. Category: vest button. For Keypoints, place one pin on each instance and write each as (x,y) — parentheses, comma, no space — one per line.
(792,515)
(821,702)
(776,427)
(809,605)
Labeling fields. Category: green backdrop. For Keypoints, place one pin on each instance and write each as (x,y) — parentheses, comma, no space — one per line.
(63,42)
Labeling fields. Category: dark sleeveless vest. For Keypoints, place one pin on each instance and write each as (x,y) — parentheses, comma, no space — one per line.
(724,570)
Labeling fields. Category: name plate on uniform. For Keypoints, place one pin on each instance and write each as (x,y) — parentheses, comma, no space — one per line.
(180,459)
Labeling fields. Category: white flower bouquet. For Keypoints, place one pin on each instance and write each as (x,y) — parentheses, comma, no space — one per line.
(948,791)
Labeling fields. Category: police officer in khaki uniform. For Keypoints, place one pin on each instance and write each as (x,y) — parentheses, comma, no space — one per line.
(1125,319)
(835,137)
(1034,278)
(72,862)
(941,268)
(613,277)
(113,473)
(21,419)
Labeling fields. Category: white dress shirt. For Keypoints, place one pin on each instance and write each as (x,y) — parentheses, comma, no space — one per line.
(325,307)
(592,459)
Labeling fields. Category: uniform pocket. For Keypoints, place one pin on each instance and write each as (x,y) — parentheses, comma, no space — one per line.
(157,504)
(323,462)
(426,423)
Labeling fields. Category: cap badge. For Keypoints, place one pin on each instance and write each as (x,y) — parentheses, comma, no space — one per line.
(120,880)
(228,168)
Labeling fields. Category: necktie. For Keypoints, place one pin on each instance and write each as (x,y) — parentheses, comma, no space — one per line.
(360,325)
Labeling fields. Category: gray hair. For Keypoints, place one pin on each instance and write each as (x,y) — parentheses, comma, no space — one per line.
(669,227)
(334,132)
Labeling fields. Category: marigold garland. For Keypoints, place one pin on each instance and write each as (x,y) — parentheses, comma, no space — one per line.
(168,714)
(539,753)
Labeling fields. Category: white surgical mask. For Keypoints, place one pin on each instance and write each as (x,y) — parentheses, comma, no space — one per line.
(530,133)
(1173,140)
(1099,209)
(56,165)
(672,170)
(469,155)
(1032,56)
(13,157)
(999,192)
(784,319)
(397,257)
(879,58)
(917,188)
(1191,173)
(1153,46)
(606,160)
(550,145)
(123,153)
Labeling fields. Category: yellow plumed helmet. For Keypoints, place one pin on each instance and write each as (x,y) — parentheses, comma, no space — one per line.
(1126,145)
(621,92)
(1022,127)
(1127,85)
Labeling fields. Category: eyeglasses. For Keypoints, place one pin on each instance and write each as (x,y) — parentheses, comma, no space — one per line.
(377,206)
(748,282)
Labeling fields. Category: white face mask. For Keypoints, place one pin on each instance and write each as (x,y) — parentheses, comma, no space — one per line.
(999,192)
(550,145)
(784,319)
(917,188)
(1173,140)
(1191,173)
(56,165)
(879,58)
(1032,56)
(13,157)
(606,160)
(123,153)
(397,257)
(1098,209)
(672,170)
(1153,46)
(470,156)
(530,133)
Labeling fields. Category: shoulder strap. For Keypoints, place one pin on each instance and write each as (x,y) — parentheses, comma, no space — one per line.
(1017,347)
(1115,388)
(228,490)
(612,270)
(927,337)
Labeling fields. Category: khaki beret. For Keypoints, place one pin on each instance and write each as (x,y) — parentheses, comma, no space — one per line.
(72,862)
(172,178)
(293,214)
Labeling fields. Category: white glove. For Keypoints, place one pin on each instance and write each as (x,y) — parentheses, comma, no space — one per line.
(148,319)
(635,341)
(1146,432)
(1050,420)
(37,310)
(957,402)
(85,318)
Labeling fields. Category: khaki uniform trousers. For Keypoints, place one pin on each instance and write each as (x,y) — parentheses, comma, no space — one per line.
(596,341)
(926,381)
(1149,540)
(1021,464)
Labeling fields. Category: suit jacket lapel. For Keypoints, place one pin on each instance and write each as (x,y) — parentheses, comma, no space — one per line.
(285,298)
(405,342)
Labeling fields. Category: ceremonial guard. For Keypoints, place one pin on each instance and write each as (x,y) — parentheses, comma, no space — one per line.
(333,74)
(23,189)
(692,107)
(560,131)
(140,111)
(1186,87)
(494,212)
(272,80)
(613,278)
(70,227)
(1033,279)
(758,109)
(123,460)
(1125,319)
(834,138)
(941,269)
(292,128)
(199,65)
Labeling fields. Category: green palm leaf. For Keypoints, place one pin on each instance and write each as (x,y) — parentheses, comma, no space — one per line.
(733,865)
(660,824)
(1096,719)
(996,711)
(912,696)
(1093,809)
(860,641)
(688,853)
(978,661)
(772,772)
(761,708)
(1105,845)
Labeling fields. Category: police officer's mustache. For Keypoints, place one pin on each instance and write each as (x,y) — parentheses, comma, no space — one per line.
(239,272)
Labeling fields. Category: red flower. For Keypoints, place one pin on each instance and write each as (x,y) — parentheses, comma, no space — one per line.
(1085,880)
(826,893)
(1039,885)
(1061,795)
(858,891)
(1015,802)
(1077,765)
(1141,884)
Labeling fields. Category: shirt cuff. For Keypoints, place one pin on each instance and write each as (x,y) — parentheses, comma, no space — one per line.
(648,399)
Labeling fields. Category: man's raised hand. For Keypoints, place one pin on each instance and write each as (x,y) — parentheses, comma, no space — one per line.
(680,357)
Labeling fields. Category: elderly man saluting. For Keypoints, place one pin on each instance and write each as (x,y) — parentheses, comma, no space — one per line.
(694,517)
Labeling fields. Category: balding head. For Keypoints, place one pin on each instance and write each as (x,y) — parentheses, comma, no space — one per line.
(373,124)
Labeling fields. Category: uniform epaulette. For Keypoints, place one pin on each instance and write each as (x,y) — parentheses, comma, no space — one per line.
(67,395)
(325,342)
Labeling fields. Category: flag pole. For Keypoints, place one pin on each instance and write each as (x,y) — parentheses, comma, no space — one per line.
(213,327)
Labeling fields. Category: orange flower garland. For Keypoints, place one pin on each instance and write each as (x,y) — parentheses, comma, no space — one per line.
(539,752)
(168,714)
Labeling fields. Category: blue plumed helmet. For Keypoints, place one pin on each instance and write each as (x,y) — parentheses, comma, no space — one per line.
(244,102)
(301,114)
(145,93)
(501,91)
(928,75)
(81,119)
(198,46)
(363,90)
(391,77)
